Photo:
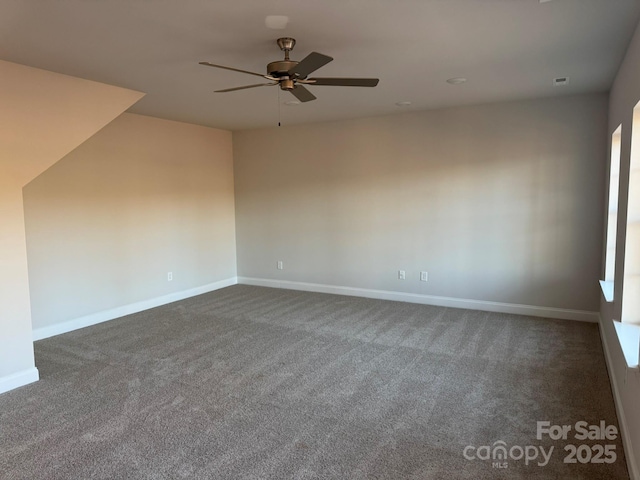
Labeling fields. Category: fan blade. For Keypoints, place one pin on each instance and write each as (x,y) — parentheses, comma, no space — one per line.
(246,86)
(208,64)
(302,94)
(343,82)
(309,64)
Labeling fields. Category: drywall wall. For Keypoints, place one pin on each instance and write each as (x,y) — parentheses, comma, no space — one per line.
(43,116)
(16,349)
(141,198)
(498,203)
(624,96)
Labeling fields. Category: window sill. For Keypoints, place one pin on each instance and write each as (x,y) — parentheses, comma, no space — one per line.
(607,290)
(629,338)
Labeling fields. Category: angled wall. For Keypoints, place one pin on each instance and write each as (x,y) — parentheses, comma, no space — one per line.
(44,116)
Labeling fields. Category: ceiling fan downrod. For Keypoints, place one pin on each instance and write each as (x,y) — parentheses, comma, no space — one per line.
(286,44)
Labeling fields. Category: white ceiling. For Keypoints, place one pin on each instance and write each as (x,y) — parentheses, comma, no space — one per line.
(508,49)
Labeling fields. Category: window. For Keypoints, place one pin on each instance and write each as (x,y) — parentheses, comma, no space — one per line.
(631,280)
(612,215)
(628,330)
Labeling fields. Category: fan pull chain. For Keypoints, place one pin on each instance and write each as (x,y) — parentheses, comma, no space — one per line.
(279,106)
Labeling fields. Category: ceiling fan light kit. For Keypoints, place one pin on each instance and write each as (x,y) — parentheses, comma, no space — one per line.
(292,76)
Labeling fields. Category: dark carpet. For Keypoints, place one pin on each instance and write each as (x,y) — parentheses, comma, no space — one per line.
(259,383)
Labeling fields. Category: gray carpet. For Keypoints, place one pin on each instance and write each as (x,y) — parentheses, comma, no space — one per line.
(260,383)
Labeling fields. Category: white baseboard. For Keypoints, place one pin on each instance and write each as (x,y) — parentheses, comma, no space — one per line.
(105,315)
(632,465)
(19,379)
(546,312)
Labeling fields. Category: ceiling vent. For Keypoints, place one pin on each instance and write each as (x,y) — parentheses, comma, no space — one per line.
(560,81)
(276,22)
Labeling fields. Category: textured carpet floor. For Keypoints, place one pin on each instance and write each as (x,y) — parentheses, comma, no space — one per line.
(259,383)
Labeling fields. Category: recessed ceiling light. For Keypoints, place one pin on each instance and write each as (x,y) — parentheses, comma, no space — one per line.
(276,22)
(456,80)
(544,1)
(292,103)
(403,104)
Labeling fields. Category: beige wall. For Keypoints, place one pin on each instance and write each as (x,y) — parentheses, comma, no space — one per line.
(16,349)
(43,115)
(499,203)
(141,198)
(625,94)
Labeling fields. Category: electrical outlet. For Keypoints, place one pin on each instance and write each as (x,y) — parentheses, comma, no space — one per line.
(169,276)
(424,276)
(280,265)
(401,275)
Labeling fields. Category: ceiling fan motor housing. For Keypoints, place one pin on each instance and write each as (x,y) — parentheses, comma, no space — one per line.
(280,68)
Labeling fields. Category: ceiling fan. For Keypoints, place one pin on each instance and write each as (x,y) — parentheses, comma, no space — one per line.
(292,76)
